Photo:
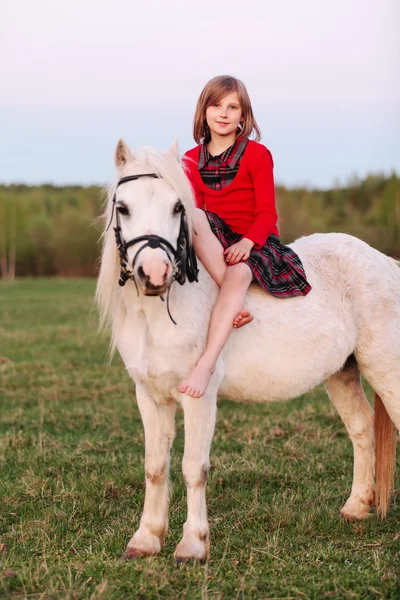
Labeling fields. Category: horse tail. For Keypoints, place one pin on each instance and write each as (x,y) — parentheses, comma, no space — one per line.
(385,449)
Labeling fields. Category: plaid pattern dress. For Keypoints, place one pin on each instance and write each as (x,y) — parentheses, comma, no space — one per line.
(275,267)
(219,171)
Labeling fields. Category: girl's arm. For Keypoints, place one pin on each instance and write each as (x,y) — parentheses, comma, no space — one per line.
(265,210)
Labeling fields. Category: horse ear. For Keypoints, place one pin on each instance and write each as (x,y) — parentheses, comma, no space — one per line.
(174,149)
(122,154)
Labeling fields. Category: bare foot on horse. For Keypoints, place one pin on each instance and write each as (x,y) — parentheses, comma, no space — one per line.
(243,318)
(196,384)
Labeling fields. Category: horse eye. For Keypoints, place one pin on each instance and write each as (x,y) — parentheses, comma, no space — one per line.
(122,210)
(178,207)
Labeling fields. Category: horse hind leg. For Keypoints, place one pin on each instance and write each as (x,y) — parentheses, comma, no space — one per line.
(347,395)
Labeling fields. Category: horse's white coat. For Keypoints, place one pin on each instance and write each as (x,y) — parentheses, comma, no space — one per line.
(291,346)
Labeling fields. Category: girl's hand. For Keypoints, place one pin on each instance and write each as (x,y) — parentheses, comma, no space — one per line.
(239,251)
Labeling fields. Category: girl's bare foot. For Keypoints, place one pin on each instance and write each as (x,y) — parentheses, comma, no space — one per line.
(196,384)
(243,318)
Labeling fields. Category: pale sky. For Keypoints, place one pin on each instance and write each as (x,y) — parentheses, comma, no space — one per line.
(323,77)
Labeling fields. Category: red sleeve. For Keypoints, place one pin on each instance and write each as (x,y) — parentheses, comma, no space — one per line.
(189,167)
(265,209)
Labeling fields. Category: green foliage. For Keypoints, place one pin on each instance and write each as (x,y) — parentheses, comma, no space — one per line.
(368,209)
(72,484)
(53,230)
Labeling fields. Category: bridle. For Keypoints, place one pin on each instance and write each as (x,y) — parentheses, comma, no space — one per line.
(184,258)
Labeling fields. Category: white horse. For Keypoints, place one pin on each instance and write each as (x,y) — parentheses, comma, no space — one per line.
(349,323)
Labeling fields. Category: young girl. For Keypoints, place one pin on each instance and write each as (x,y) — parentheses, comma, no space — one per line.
(237,238)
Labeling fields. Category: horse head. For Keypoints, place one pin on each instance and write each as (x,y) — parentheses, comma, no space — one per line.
(151,211)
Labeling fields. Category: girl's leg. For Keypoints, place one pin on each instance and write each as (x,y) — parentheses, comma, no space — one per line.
(208,248)
(229,302)
(211,254)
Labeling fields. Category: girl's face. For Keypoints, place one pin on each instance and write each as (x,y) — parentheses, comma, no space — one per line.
(224,116)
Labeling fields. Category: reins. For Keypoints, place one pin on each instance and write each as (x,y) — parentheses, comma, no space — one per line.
(184,258)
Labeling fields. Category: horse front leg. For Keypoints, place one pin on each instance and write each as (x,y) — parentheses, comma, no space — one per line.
(199,418)
(159,429)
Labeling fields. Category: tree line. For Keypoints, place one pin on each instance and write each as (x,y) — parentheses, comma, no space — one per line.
(51,230)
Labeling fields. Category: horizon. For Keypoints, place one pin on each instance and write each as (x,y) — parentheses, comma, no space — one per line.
(352,180)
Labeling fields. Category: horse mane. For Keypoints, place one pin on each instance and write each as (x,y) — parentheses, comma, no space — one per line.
(109,296)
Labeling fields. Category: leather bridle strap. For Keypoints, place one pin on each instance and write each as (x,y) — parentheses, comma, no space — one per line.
(125,180)
(153,241)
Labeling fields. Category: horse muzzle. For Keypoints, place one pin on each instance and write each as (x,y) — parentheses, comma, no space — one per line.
(154,275)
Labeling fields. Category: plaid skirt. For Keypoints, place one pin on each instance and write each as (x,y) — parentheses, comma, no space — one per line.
(276,268)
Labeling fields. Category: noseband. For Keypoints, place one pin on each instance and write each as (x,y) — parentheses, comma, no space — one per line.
(184,263)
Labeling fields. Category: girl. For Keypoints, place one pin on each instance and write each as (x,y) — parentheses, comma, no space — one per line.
(237,238)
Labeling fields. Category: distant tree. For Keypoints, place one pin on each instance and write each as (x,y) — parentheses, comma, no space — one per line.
(51,230)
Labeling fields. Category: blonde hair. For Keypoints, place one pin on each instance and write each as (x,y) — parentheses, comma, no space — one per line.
(213,91)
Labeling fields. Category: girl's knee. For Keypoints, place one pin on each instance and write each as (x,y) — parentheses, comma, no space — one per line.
(239,273)
(200,220)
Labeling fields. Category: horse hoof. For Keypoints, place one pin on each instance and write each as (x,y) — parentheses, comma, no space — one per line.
(181,560)
(357,509)
(359,514)
(133,554)
(348,516)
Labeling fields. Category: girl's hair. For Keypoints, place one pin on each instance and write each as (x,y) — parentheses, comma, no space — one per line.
(214,90)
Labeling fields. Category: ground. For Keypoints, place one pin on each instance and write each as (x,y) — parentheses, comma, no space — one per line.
(71,455)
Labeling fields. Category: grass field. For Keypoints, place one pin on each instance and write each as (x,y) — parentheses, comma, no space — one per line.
(71,490)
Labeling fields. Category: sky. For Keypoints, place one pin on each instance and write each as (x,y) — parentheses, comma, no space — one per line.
(323,77)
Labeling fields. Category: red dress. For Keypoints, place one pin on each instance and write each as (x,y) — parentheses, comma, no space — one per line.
(245,207)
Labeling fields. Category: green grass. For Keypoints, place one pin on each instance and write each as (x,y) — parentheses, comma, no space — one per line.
(71,490)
